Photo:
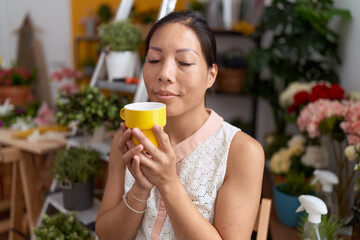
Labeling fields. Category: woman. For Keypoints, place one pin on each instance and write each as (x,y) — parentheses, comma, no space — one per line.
(204,180)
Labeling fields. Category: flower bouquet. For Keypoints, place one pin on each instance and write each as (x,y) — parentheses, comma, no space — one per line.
(335,121)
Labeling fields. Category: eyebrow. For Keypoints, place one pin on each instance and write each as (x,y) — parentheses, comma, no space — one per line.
(186,49)
(177,51)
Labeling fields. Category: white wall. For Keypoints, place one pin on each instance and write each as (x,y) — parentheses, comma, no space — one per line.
(53,17)
(349,49)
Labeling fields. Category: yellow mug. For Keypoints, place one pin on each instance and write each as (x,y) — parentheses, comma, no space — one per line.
(144,115)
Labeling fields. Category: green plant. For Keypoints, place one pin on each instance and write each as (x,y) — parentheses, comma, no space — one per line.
(104,13)
(198,6)
(296,185)
(120,36)
(302,48)
(76,164)
(89,108)
(61,226)
(331,225)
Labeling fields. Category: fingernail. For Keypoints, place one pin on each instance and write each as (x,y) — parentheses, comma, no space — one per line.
(136,130)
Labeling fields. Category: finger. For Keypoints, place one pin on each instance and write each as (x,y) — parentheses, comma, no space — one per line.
(123,127)
(122,141)
(129,155)
(161,136)
(150,147)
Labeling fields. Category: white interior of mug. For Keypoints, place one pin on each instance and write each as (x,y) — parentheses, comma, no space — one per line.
(143,106)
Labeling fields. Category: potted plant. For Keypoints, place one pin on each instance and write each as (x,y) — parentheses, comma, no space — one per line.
(15,84)
(61,226)
(122,39)
(301,47)
(286,197)
(90,110)
(76,168)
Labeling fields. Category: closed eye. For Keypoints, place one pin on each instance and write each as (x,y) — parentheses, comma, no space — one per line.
(153,61)
(185,64)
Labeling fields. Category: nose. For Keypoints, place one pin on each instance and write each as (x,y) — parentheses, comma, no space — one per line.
(167,71)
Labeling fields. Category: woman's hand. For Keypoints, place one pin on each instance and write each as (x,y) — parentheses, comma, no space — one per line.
(157,164)
(131,158)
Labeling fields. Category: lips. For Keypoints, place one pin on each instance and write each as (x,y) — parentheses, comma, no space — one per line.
(165,95)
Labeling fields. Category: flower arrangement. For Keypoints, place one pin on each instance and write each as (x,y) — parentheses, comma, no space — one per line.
(298,94)
(16,76)
(67,77)
(336,121)
(295,158)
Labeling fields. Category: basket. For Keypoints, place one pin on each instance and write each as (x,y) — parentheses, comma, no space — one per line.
(231,80)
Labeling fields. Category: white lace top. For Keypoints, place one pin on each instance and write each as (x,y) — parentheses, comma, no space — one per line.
(201,167)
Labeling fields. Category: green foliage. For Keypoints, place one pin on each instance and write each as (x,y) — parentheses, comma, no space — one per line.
(298,167)
(120,36)
(61,227)
(90,108)
(300,30)
(331,125)
(331,225)
(77,165)
(296,185)
(104,13)
(198,6)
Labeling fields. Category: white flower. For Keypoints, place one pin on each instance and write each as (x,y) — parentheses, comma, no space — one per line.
(6,108)
(296,140)
(356,167)
(313,157)
(358,148)
(280,161)
(286,98)
(350,152)
(354,96)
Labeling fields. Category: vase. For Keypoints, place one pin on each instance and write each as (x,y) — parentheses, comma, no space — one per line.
(18,94)
(78,196)
(285,206)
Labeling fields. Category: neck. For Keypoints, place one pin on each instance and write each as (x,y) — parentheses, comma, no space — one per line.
(181,127)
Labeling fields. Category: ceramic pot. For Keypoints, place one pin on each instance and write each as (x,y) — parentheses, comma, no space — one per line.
(18,94)
(285,206)
(120,64)
(78,196)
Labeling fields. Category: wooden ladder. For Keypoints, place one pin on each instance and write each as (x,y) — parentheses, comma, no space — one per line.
(98,78)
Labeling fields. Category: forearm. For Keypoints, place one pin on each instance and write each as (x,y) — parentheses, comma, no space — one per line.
(186,219)
(121,222)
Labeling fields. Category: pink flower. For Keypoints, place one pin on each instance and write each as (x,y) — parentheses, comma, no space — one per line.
(69,88)
(351,123)
(311,115)
(44,115)
(56,76)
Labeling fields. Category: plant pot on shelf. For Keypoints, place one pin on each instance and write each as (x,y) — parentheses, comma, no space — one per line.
(78,196)
(285,206)
(18,94)
(120,64)
(231,80)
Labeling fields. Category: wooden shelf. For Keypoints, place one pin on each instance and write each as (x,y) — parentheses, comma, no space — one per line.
(116,86)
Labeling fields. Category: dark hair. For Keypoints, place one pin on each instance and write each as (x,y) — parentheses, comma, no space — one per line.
(197,24)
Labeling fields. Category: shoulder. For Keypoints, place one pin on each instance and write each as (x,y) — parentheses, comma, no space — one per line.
(245,153)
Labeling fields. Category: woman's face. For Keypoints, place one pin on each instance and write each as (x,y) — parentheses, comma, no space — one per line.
(175,71)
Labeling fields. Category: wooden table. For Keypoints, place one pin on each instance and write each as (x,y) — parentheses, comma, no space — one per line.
(24,192)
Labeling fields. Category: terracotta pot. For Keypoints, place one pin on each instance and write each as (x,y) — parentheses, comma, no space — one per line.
(230,80)
(18,94)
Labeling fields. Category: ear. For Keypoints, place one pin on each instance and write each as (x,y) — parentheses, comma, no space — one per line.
(212,73)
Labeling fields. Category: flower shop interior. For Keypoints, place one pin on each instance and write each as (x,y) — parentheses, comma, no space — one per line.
(288,77)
